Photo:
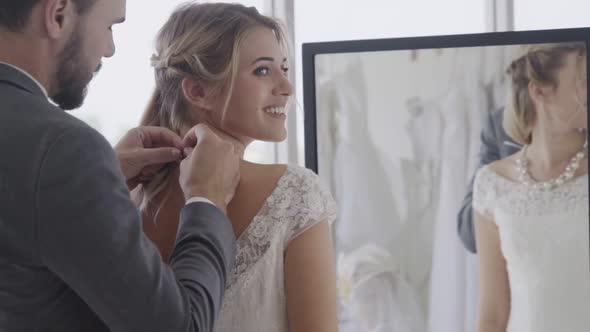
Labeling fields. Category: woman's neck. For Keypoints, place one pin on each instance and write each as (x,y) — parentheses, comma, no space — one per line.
(551,150)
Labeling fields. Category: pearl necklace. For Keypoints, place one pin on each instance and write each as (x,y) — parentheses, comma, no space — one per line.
(525,178)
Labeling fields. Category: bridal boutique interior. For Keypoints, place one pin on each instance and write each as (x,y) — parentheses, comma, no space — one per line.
(408,121)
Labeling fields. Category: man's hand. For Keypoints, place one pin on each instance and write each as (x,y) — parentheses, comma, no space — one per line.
(143,151)
(211,167)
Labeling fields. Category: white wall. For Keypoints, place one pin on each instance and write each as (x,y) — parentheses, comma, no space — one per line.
(551,14)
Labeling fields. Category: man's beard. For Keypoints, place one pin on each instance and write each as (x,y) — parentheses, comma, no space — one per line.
(72,75)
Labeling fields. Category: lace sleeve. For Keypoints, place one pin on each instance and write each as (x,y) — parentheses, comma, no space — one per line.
(311,203)
(483,193)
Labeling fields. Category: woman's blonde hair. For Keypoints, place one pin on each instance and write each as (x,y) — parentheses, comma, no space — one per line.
(539,63)
(200,41)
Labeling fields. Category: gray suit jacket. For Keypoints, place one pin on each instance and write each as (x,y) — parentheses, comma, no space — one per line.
(495,145)
(73,256)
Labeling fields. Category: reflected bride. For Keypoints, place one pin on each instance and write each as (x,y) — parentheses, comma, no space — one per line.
(531,208)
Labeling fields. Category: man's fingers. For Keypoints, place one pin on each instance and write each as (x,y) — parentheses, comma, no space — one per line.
(155,156)
(152,169)
(191,138)
(187,151)
(198,133)
(160,137)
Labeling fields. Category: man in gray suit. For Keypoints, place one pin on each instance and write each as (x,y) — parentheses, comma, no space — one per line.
(73,256)
(495,145)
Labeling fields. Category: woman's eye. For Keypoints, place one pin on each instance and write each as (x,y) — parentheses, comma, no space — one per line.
(262,71)
(285,70)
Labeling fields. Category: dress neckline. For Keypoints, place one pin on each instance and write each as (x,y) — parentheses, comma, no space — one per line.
(514,183)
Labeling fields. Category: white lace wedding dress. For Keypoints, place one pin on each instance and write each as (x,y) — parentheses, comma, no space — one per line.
(255,293)
(544,239)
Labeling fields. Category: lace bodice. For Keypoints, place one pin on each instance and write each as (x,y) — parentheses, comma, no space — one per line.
(255,295)
(496,192)
(544,238)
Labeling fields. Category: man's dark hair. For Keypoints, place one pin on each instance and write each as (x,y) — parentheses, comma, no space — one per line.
(15,14)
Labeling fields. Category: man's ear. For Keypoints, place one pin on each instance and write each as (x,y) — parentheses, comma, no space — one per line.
(60,16)
(195,94)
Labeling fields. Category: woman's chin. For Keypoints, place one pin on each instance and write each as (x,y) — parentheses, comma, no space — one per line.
(282,137)
(276,137)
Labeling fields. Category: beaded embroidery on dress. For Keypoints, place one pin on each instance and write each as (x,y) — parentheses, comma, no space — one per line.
(544,239)
(255,299)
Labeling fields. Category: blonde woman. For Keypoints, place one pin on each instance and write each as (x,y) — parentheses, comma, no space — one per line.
(225,65)
(531,208)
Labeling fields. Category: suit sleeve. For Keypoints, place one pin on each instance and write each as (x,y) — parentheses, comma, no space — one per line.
(90,234)
(489,152)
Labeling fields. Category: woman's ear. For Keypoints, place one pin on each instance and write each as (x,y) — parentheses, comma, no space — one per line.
(538,91)
(194,93)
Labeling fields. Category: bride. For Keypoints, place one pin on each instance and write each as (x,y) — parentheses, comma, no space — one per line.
(531,209)
(224,65)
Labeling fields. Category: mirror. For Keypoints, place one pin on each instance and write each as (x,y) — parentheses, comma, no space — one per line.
(394,130)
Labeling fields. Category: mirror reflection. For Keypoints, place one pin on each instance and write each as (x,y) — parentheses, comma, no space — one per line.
(461,180)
